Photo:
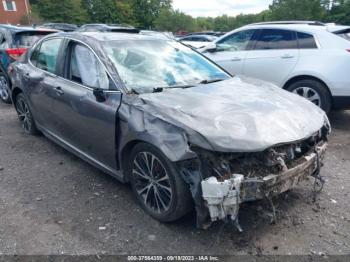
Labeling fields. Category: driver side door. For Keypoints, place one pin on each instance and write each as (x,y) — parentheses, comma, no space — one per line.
(83,120)
(232,50)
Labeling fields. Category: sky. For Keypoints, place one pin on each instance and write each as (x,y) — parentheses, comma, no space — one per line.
(215,8)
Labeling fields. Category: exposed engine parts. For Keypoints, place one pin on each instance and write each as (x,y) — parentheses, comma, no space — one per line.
(220,182)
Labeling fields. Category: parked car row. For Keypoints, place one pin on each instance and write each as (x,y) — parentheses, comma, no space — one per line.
(180,129)
(308,58)
(14,42)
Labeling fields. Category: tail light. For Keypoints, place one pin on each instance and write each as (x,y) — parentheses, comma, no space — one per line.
(16,52)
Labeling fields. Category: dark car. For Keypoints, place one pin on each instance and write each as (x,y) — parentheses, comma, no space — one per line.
(14,41)
(61,26)
(198,38)
(161,116)
(115,28)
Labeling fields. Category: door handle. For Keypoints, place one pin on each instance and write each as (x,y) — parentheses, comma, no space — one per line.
(59,90)
(286,56)
(26,76)
(236,59)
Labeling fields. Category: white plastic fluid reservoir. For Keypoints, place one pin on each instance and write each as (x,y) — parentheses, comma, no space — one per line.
(212,188)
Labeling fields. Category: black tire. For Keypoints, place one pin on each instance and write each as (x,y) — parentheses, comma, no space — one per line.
(25,116)
(180,201)
(5,93)
(314,87)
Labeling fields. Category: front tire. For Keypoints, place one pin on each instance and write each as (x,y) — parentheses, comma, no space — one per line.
(24,115)
(314,91)
(157,184)
(4,89)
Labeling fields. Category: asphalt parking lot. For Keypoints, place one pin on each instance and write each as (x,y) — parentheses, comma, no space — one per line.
(51,202)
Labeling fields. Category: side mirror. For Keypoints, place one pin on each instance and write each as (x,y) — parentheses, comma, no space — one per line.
(211,48)
(1,38)
(99,94)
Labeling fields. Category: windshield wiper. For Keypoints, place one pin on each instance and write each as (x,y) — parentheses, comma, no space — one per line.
(209,81)
(160,89)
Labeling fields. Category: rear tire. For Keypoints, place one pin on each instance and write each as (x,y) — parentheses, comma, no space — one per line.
(25,116)
(314,91)
(157,184)
(5,89)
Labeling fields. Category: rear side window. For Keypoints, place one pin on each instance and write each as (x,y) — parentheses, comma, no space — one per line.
(276,39)
(28,38)
(45,56)
(306,41)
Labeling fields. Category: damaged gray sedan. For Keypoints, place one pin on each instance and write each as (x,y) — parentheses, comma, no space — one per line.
(159,115)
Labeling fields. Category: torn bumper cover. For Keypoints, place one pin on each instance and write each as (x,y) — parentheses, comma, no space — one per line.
(222,196)
(274,184)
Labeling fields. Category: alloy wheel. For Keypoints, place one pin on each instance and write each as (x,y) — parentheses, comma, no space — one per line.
(310,94)
(24,114)
(4,94)
(152,182)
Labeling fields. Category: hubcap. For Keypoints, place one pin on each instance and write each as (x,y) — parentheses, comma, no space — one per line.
(152,182)
(4,94)
(310,94)
(24,114)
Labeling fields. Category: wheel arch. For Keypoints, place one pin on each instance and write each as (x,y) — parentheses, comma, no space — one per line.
(15,91)
(305,77)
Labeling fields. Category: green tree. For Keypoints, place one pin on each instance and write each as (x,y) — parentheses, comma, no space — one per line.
(297,10)
(147,11)
(174,20)
(339,12)
(101,11)
(67,11)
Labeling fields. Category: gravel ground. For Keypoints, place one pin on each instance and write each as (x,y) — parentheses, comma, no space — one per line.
(51,202)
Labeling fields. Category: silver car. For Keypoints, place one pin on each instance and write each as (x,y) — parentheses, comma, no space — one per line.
(161,116)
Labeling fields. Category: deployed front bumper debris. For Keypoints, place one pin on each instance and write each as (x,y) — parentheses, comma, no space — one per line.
(220,183)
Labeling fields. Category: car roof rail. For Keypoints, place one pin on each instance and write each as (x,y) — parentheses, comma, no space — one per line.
(316,23)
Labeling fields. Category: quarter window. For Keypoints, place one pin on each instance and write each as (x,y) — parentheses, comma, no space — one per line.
(86,69)
(236,42)
(306,41)
(45,56)
(276,39)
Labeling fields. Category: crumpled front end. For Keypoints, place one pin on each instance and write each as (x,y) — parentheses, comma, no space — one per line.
(220,182)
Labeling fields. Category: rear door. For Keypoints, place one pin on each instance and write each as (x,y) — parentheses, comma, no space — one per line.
(82,120)
(40,78)
(273,57)
(232,50)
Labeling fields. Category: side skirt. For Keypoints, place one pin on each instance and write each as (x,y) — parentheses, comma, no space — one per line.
(110,171)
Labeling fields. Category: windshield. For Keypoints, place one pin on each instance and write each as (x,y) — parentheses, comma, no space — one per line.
(147,65)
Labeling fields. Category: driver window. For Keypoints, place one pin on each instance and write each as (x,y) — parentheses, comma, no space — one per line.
(86,69)
(236,42)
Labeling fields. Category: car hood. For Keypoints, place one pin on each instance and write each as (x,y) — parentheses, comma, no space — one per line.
(236,115)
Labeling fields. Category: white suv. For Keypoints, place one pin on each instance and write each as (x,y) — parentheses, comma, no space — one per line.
(308,58)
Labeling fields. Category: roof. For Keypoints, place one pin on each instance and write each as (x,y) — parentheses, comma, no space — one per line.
(24,28)
(291,26)
(292,22)
(109,36)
